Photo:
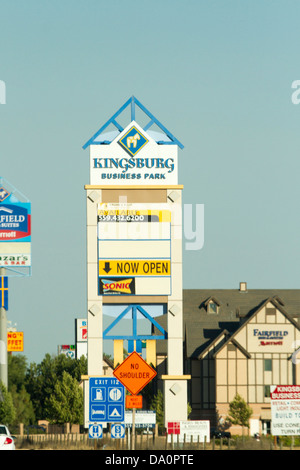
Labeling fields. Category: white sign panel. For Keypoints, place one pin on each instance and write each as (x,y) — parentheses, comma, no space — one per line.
(285,409)
(81,330)
(134,249)
(143,419)
(133,158)
(15,259)
(189,431)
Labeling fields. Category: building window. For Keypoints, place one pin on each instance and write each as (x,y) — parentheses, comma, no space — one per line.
(271,311)
(267,391)
(268,365)
(212,307)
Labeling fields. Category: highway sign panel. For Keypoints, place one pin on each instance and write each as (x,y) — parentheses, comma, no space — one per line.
(95,431)
(106,400)
(117,430)
(134,373)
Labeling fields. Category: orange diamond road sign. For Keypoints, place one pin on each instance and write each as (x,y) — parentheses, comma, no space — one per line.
(134,373)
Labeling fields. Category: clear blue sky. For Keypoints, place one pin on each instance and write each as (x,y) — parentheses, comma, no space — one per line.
(217,74)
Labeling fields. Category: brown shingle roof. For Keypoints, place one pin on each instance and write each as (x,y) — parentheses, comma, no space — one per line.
(201,328)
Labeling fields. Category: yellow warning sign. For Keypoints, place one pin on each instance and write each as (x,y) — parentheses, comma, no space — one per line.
(140,267)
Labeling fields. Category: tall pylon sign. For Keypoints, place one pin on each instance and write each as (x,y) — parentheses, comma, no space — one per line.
(134,245)
(15,253)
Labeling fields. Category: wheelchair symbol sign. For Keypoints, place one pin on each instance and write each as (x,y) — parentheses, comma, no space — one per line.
(118,431)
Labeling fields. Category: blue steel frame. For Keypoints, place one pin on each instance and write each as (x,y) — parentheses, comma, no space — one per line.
(133,102)
(135,309)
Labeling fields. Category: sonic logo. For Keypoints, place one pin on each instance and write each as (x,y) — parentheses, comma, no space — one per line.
(116,286)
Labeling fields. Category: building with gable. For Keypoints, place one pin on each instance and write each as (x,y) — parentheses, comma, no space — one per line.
(237,341)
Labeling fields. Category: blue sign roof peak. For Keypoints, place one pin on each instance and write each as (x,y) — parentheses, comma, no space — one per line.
(8,190)
(165,137)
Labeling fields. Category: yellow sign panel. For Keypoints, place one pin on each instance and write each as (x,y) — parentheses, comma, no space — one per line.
(15,341)
(132,267)
(133,215)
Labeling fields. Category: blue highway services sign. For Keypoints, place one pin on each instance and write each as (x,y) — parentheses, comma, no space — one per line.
(106,400)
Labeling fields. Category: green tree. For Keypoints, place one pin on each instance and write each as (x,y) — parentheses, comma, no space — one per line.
(239,412)
(23,406)
(17,367)
(157,404)
(7,409)
(65,405)
(42,378)
(34,385)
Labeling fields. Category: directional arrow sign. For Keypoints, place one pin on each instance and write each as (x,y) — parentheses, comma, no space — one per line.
(134,373)
(141,267)
(107,267)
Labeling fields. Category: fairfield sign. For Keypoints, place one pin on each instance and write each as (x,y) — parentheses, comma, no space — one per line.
(275,338)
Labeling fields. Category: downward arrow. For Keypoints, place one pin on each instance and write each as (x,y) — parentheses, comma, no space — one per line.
(107,267)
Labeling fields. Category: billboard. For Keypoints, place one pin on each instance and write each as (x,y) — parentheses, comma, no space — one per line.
(189,431)
(68,350)
(134,249)
(133,157)
(15,341)
(15,228)
(285,410)
(15,222)
(81,330)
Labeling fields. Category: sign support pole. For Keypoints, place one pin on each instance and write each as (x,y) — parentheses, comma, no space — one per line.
(133,430)
(3,341)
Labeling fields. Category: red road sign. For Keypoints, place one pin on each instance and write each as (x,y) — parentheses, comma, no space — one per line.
(134,373)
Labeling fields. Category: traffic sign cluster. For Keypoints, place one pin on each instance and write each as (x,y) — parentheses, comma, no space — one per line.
(107,395)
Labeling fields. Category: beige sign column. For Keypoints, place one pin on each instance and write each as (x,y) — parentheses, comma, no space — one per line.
(94,329)
(175,382)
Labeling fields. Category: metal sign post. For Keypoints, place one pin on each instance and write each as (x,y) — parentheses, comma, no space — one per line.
(133,429)
(134,373)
